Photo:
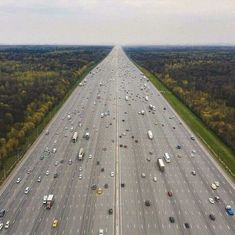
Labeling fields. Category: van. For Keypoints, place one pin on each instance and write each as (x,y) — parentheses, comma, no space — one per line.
(44,199)
(167,157)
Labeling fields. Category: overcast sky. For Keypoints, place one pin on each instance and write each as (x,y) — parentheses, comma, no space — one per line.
(117,22)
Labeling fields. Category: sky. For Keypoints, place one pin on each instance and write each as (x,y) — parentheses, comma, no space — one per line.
(117,22)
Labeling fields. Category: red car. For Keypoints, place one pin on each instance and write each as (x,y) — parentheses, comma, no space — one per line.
(170,194)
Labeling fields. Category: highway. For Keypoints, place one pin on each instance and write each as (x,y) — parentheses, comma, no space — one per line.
(109,106)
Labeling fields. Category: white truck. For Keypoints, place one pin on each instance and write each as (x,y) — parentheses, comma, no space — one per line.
(50,201)
(81,154)
(161,164)
(75,137)
(150,134)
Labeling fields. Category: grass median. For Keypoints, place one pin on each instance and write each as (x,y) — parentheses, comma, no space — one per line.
(221,152)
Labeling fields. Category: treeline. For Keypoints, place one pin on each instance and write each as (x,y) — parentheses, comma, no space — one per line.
(33,79)
(202,77)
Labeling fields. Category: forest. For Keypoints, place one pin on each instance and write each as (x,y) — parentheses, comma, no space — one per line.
(33,79)
(202,77)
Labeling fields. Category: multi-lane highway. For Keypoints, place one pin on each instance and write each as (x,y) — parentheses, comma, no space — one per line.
(109,107)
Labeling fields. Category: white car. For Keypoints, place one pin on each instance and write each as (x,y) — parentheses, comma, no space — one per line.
(1,226)
(18,180)
(193,151)
(90,156)
(39,179)
(213,186)
(47,172)
(211,200)
(143,175)
(56,163)
(26,191)
(101,231)
(54,150)
(80,168)
(80,177)
(155,179)
(7,224)
(217,184)
(112,174)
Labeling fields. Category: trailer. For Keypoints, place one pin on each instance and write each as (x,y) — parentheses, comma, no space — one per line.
(161,164)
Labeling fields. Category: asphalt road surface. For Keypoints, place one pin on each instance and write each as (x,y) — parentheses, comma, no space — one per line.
(108,106)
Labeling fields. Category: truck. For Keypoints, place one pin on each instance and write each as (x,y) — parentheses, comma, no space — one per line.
(161,164)
(50,201)
(167,157)
(150,134)
(75,137)
(81,154)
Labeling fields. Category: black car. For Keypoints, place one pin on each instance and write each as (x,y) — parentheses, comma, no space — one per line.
(106,186)
(186,225)
(2,212)
(122,185)
(172,219)
(212,217)
(110,211)
(55,175)
(93,187)
(147,203)
(178,146)
(102,169)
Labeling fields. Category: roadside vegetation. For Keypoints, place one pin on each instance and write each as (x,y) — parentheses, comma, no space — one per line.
(34,83)
(200,84)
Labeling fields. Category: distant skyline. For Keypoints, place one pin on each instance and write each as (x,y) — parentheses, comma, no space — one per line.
(117,22)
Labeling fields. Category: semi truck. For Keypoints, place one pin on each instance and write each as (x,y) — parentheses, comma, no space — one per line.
(50,201)
(81,154)
(75,137)
(161,164)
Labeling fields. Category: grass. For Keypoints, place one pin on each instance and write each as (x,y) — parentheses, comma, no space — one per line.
(220,151)
(14,158)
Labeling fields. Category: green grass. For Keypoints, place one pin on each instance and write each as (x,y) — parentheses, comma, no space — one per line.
(221,152)
(14,158)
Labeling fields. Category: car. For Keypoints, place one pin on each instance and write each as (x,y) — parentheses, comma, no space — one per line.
(192,138)
(93,187)
(41,157)
(62,161)
(106,186)
(27,189)
(102,169)
(217,184)
(56,163)
(178,146)
(212,217)
(70,162)
(170,194)
(80,168)
(112,174)
(18,180)
(90,156)
(54,150)
(147,203)
(229,210)
(143,175)
(122,185)
(39,179)
(101,232)
(80,176)
(110,211)
(7,224)
(193,172)
(99,191)
(97,163)
(1,226)
(172,219)
(28,171)
(148,159)
(186,225)
(193,151)
(217,198)
(2,212)
(47,172)
(55,175)
(55,223)
(213,186)
(155,179)
(211,200)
